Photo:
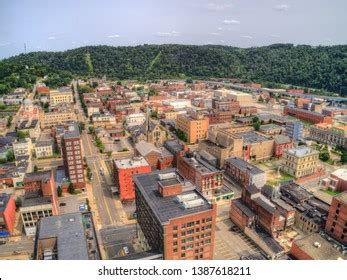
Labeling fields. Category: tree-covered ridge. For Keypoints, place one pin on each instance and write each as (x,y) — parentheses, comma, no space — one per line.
(306,66)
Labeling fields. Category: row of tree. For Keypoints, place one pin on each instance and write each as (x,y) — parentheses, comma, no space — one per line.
(306,66)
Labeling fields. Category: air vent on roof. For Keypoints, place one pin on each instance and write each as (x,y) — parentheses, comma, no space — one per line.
(193,203)
(316,244)
(186,197)
(167,176)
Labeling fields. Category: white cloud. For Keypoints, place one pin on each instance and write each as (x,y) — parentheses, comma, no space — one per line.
(38,47)
(214,7)
(168,34)
(282,7)
(231,22)
(51,38)
(246,37)
(113,36)
(220,28)
(4,44)
(327,39)
(222,41)
(215,33)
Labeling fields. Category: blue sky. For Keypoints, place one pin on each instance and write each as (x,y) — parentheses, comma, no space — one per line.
(59,25)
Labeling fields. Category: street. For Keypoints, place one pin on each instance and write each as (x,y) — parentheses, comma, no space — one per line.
(100,183)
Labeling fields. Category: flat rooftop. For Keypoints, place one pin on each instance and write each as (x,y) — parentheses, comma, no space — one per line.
(4,199)
(342,197)
(244,165)
(130,162)
(38,176)
(72,131)
(251,137)
(166,208)
(70,232)
(31,199)
(318,248)
(340,173)
(302,151)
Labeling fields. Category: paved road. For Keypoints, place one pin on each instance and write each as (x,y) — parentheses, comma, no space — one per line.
(23,246)
(100,183)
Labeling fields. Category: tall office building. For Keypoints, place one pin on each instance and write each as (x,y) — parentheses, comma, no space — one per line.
(174,218)
(72,155)
(294,130)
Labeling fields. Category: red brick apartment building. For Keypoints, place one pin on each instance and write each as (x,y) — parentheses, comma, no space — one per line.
(124,169)
(42,182)
(306,115)
(174,219)
(7,213)
(314,247)
(224,104)
(282,142)
(219,116)
(73,156)
(207,178)
(336,225)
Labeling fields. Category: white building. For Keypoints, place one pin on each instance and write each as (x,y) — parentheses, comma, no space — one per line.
(135,119)
(178,103)
(23,147)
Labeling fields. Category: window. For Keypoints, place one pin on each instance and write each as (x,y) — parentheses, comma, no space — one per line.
(175,227)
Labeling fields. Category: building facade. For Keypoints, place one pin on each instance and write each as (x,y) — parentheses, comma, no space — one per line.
(294,130)
(336,225)
(300,162)
(7,214)
(73,156)
(329,134)
(179,222)
(194,126)
(124,169)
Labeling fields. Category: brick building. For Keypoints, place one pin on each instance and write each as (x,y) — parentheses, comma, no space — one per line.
(207,179)
(174,218)
(124,169)
(305,115)
(40,199)
(194,126)
(329,134)
(7,214)
(337,180)
(314,247)
(216,117)
(157,158)
(336,225)
(282,143)
(224,104)
(244,173)
(73,156)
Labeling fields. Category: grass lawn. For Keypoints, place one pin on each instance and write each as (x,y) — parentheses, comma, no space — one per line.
(329,192)
(284,177)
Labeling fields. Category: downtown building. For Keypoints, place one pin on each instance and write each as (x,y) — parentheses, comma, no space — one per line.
(124,170)
(336,225)
(73,156)
(40,199)
(174,218)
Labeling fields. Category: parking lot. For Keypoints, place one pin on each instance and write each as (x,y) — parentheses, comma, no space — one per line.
(231,243)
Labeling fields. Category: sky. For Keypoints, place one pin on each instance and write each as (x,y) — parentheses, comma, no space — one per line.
(56,25)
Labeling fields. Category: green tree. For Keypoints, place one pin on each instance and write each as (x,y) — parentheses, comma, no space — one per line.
(344,157)
(181,135)
(36,168)
(60,191)
(71,189)
(18,203)
(10,156)
(9,121)
(22,134)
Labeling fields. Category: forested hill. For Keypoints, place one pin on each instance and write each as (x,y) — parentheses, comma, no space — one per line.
(316,67)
